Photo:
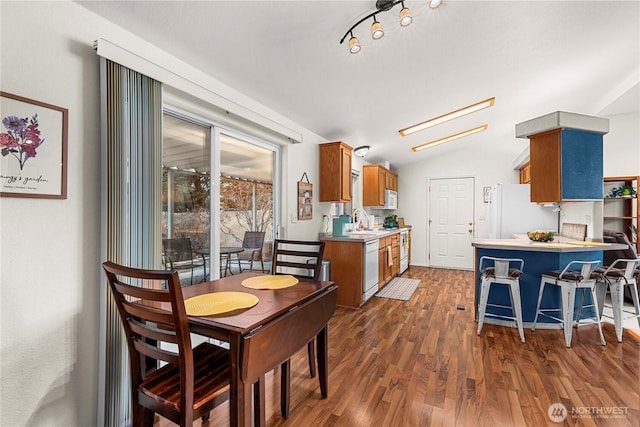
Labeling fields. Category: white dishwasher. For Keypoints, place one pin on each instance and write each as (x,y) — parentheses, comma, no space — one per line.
(370,269)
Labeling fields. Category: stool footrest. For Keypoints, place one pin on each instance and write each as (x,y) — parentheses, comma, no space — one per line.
(500,316)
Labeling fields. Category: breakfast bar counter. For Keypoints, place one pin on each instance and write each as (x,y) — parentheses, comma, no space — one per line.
(538,257)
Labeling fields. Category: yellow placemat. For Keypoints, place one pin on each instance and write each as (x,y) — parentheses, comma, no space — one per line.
(219,302)
(278,281)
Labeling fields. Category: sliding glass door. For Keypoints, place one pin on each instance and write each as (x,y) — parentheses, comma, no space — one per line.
(208,213)
(186,197)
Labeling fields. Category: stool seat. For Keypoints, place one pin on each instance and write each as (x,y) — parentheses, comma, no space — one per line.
(491,272)
(501,271)
(623,272)
(569,280)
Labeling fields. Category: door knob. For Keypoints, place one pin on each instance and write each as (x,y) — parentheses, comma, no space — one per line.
(470,230)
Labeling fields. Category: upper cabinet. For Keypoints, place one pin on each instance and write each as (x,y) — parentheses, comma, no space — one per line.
(565,156)
(335,172)
(377,179)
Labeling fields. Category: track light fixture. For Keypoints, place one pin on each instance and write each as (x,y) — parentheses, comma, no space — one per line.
(376,27)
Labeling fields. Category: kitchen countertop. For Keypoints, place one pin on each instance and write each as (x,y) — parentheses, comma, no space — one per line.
(559,244)
(362,236)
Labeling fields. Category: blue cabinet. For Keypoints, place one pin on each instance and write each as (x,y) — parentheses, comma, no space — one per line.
(566,165)
(565,156)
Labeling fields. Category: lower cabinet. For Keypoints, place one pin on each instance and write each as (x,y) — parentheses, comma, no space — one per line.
(347,270)
(389,259)
(348,266)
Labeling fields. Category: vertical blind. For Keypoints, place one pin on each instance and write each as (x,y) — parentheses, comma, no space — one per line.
(131,222)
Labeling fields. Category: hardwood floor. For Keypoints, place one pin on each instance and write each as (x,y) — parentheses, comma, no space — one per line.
(420,363)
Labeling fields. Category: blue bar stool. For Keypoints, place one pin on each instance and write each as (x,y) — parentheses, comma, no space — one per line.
(623,272)
(501,271)
(583,277)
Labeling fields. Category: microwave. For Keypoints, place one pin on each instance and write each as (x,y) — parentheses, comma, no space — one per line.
(390,199)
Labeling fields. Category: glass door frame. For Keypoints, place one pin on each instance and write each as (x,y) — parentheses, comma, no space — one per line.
(215,131)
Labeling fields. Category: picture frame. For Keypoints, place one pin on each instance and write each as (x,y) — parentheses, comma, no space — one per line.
(486,192)
(305,200)
(33,148)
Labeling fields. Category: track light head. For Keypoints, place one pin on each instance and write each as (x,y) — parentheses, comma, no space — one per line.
(405,17)
(354,45)
(376,30)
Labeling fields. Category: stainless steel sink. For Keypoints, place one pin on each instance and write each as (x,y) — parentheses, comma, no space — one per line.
(368,232)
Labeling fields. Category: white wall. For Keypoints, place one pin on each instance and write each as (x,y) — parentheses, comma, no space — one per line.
(50,248)
(50,259)
(486,161)
(622,145)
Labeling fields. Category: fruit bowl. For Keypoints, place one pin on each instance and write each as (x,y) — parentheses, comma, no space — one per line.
(540,235)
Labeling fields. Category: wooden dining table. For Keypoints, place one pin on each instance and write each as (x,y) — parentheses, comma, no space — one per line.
(266,335)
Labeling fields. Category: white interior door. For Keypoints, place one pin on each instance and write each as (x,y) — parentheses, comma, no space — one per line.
(451,223)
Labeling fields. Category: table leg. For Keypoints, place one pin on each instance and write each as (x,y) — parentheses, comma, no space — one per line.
(323,361)
(285,387)
(239,392)
(259,402)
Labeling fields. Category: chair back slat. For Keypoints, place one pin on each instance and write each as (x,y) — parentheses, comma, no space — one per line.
(147,313)
(155,352)
(142,293)
(297,257)
(157,333)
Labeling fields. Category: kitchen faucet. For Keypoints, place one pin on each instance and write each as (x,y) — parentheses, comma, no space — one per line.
(366,216)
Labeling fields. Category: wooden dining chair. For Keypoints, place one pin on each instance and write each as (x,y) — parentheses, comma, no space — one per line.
(302,259)
(193,381)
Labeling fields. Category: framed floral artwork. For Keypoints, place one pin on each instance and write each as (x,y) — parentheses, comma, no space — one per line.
(33,148)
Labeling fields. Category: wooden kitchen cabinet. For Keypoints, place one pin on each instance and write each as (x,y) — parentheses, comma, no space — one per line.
(347,270)
(387,272)
(377,179)
(566,165)
(335,172)
(395,253)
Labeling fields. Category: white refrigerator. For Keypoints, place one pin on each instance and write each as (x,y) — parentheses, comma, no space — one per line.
(511,212)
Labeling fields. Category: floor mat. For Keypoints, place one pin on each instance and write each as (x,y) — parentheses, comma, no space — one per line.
(399,288)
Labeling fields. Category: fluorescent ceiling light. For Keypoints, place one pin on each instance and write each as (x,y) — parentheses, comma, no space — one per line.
(449,116)
(450,138)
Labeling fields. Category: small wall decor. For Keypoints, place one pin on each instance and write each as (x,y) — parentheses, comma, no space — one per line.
(486,194)
(305,198)
(33,148)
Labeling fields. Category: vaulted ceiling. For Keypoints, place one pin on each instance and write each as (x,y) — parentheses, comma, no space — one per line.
(534,57)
